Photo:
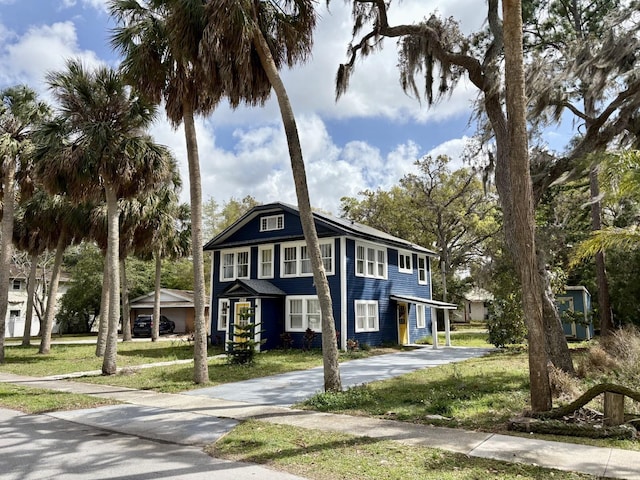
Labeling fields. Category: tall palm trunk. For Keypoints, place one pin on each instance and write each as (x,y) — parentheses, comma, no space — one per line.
(155,331)
(50,312)
(126,308)
(6,243)
(522,205)
(200,365)
(101,343)
(31,290)
(604,301)
(332,380)
(109,366)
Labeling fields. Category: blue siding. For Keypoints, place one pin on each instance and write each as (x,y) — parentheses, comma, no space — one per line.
(582,332)
(365,288)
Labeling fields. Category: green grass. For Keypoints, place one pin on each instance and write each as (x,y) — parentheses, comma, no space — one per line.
(461,337)
(176,378)
(69,358)
(35,400)
(328,456)
(478,394)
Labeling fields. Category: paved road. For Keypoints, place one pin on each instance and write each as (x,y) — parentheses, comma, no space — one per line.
(37,447)
(289,388)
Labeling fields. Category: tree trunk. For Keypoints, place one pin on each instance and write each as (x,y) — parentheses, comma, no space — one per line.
(522,227)
(200,365)
(126,308)
(556,341)
(604,302)
(50,312)
(109,366)
(101,342)
(155,324)
(6,243)
(332,380)
(31,289)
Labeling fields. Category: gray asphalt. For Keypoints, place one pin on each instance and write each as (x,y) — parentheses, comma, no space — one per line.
(289,388)
(35,447)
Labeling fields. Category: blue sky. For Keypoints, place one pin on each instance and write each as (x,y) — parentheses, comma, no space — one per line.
(369,139)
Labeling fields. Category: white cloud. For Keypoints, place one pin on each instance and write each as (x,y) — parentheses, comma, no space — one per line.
(41,49)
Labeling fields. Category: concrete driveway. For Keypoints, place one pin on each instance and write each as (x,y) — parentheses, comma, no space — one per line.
(289,388)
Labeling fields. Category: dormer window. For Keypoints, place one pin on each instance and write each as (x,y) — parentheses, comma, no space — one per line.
(272,222)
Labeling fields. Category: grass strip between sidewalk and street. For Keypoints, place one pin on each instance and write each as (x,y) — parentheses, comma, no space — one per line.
(37,400)
(327,456)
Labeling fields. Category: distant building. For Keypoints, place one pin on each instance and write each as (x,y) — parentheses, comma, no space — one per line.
(17,306)
(176,305)
(574,306)
(476,303)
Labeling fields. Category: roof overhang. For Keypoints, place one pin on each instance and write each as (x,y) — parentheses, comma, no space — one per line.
(423,301)
(251,289)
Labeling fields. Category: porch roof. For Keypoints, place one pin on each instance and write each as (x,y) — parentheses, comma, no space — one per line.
(251,288)
(399,297)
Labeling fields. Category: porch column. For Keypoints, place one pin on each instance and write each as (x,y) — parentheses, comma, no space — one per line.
(447,328)
(434,327)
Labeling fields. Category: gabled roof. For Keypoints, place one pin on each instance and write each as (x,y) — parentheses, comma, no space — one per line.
(251,288)
(339,226)
(168,297)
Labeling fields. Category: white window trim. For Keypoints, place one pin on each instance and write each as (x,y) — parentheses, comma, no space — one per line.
(376,248)
(298,246)
(221,303)
(264,223)
(426,269)
(366,328)
(421,316)
(16,283)
(408,255)
(235,253)
(262,248)
(304,313)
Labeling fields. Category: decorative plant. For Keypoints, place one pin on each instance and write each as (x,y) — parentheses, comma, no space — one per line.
(307,339)
(241,349)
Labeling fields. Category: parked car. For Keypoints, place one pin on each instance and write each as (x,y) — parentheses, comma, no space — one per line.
(143,323)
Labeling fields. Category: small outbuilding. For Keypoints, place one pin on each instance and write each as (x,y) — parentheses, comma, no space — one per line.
(176,305)
(574,306)
(476,302)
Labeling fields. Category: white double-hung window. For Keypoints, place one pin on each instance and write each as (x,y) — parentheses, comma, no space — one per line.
(423,270)
(302,312)
(295,261)
(367,319)
(234,264)
(371,261)
(404,262)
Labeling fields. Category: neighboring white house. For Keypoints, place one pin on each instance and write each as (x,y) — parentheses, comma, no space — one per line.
(17,306)
(476,304)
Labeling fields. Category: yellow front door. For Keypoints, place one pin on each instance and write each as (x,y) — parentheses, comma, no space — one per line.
(403,332)
(240,319)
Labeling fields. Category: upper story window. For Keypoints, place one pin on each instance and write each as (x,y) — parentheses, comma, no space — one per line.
(371,261)
(234,264)
(423,270)
(404,262)
(265,261)
(16,284)
(272,222)
(296,262)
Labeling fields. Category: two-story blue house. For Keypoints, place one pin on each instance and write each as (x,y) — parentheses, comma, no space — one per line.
(380,284)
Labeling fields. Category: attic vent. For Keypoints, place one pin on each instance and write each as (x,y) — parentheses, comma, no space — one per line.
(272,222)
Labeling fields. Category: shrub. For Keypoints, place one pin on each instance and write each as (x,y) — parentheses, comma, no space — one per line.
(308,338)
(506,322)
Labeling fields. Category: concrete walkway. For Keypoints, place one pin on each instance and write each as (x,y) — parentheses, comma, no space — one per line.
(198,417)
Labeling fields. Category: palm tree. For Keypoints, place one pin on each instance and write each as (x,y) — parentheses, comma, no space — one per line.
(96,149)
(20,111)
(159,41)
(277,33)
